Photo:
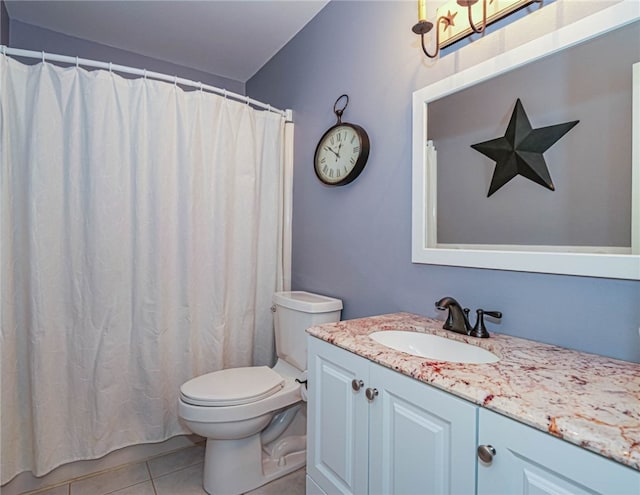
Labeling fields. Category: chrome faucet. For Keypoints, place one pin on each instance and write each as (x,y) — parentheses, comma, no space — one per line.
(458,318)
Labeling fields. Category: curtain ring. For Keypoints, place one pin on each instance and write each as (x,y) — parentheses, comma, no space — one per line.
(224,93)
(43,56)
(111,67)
(77,62)
(175,81)
(144,73)
(200,84)
(268,108)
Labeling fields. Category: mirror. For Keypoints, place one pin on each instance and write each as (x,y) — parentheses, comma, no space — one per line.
(590,224)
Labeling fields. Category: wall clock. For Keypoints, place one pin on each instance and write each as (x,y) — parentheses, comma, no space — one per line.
(342,151)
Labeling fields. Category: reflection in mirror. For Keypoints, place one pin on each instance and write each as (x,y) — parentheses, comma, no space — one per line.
(588,225)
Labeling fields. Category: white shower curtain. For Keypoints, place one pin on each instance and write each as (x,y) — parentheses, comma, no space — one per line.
(141,242)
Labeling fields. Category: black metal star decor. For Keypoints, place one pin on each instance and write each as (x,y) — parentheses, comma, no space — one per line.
(519,151)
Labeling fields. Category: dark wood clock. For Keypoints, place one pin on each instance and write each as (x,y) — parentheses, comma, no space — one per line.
(342,151)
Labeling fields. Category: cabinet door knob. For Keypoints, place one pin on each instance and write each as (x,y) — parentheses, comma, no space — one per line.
(486,453)
(371,393)
(356,384)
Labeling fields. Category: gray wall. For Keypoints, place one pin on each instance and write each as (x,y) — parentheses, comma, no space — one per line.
(4,24)
(353,242)
(29,37)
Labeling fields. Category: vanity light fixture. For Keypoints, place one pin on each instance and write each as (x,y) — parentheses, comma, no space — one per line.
(449,29)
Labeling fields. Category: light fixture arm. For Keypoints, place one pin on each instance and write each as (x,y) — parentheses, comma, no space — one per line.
(423,27)
(469,4)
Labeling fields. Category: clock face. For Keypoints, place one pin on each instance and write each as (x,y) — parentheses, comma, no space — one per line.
(341,154)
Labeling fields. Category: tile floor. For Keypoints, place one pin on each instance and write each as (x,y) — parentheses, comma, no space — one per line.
(176,473)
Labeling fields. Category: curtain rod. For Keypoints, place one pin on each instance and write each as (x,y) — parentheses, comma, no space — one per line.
(17,52)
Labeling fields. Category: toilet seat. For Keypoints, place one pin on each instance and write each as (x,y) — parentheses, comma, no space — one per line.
(283,398)
(232,387)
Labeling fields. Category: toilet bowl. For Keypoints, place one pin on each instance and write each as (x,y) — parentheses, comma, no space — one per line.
(254,418)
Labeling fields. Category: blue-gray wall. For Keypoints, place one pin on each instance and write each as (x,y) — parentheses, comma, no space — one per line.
(4,24)
(29,37)
(353,242)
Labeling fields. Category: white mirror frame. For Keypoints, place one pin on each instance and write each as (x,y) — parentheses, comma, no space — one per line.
(424,247)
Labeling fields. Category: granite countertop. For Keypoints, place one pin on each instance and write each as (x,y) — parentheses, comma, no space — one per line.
(589,400)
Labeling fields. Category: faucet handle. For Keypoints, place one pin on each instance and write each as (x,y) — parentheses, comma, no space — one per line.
(495,314)
(479,330)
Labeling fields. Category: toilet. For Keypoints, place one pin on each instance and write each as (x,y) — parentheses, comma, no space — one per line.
(254,418)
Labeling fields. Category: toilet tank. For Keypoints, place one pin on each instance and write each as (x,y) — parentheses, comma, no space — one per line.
(294,312)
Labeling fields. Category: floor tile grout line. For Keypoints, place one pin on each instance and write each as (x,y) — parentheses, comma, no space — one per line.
(158,456)
(125,487)
(174,473)
(178,470)
(155,491)
(98,473)
(111,471)
(42,489)
(194,462)
(153,485)
(68,482)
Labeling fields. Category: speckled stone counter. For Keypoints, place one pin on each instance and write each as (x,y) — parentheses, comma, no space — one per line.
(589,400)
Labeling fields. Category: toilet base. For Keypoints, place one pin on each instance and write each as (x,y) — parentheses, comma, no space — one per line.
(232,467)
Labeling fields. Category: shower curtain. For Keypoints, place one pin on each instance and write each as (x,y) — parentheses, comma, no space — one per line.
(142,240)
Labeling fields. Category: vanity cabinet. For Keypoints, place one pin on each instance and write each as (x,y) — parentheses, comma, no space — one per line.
(373,430)
(529,461)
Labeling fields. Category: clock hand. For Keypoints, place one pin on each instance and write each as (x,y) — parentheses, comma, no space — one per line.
(330,149)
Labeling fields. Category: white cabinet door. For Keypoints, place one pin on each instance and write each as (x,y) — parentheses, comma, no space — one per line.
(422,440)
(337,422)
(409,439)
(528,461)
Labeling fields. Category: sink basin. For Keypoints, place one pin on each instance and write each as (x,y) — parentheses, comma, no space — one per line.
(434,347)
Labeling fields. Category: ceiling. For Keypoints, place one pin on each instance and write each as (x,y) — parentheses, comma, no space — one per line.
(229,38)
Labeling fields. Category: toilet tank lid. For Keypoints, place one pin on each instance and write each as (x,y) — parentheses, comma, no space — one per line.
(307,302)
